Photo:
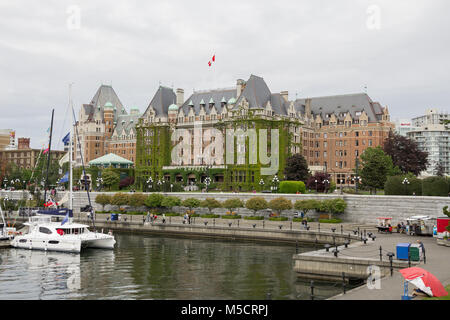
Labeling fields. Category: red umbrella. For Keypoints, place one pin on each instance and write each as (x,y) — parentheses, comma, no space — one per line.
(425,281)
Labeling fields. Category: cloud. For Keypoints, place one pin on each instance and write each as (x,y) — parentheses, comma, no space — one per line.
(310,48)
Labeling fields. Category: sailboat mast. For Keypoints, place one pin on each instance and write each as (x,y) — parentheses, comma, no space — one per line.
(48,161)
(70,150)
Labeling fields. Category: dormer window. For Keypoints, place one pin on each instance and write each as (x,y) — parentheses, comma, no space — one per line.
(358,113)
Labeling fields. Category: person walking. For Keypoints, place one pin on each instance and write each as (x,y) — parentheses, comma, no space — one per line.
(163,218)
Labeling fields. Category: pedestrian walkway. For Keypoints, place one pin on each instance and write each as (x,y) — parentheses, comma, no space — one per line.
(391,287)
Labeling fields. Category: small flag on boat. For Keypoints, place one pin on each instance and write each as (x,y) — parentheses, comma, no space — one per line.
(66,139)
(66,218)
(65,178)
(45,151)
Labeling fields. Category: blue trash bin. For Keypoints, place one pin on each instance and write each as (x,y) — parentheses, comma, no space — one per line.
(403,251)
(114,216)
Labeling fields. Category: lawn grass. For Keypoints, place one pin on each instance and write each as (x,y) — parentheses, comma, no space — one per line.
(447,297)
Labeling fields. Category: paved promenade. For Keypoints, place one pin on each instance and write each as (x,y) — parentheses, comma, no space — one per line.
(391,288)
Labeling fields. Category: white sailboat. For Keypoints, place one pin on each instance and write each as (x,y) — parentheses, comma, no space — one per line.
(53,229)
(6,233)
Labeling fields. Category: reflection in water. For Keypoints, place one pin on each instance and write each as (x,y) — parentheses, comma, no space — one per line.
(150,267)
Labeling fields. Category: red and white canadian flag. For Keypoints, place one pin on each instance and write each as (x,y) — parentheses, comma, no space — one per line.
(213,60)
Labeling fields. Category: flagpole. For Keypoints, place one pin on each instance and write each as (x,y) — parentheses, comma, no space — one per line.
(70,149)
(49,155)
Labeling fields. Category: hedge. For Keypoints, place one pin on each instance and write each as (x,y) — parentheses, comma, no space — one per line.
(254,218)
(394,186)
(278,219)
(435,186)
(292,187)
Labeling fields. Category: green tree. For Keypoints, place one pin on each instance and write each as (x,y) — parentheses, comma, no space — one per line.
(211,204)
(232,203)
(256,204)
(103,199)
(296,168)
(170,202)
(191,203)
(306,205)
(136,200)
(119,199)
(280,204)
(154,201)
(110,178)
(376,167)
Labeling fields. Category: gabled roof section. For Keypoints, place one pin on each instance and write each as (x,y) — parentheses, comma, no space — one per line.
(161,101)
(216,95)
(103,95)
(256,92)
(341,104)
(125,123)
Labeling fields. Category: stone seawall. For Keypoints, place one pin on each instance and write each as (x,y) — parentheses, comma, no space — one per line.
(360,208)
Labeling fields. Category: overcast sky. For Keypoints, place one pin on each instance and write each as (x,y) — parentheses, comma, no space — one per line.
(399,49)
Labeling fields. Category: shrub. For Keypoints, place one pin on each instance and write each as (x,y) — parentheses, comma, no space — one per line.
(330,220)
(306,205)
(119,199)
(103,199)
(394,185)
(126,182)
(211,204)
(292,187)
(172,214)
(191,203)
(232,203)
(435,186)
(170,201)
(280,204)
(230,217)
(136,200)
(210,216)
(254,218)
(154,200)
(256,204)
(278,218)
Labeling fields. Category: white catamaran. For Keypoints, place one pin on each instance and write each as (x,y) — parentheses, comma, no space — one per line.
(53,229)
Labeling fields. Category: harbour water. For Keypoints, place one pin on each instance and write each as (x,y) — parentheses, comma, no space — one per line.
(153,267)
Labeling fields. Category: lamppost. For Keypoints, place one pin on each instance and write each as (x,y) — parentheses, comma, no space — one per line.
(261,183)
(171,186)
(357,180)
(405,183)
(275,182)
(325,182)
(207,182)
(99,183)
(5,182)
(316,184)
(159,183)
(149,182)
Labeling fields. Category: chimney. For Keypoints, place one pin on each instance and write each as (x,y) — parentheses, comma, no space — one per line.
(308,107)
(180,97)
(240,84)
(285,95)
(23,143)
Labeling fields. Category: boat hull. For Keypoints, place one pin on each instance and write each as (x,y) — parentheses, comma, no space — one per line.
(62,245)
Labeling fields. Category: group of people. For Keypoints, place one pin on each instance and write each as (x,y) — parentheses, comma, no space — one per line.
(152,218)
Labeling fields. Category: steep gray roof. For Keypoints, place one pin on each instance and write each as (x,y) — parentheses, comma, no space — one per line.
(342,104)
(127,122)
(206,96)
(161,101)
(256,92)
(103,95)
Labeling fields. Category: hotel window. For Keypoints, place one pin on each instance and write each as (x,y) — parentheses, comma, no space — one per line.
(357,133)
(356,153)
(370,142)
(356,143)
(325,135)
(325,144)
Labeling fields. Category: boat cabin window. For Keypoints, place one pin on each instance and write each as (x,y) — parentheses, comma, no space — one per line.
(74,231)
(45,230)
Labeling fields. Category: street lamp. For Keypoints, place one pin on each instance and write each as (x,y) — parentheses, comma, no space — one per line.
(325,184)
(99,183)
(261,183)
(207,182)
(149,182)
(405,183)
(275,182)
(316,184)
(357,180)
